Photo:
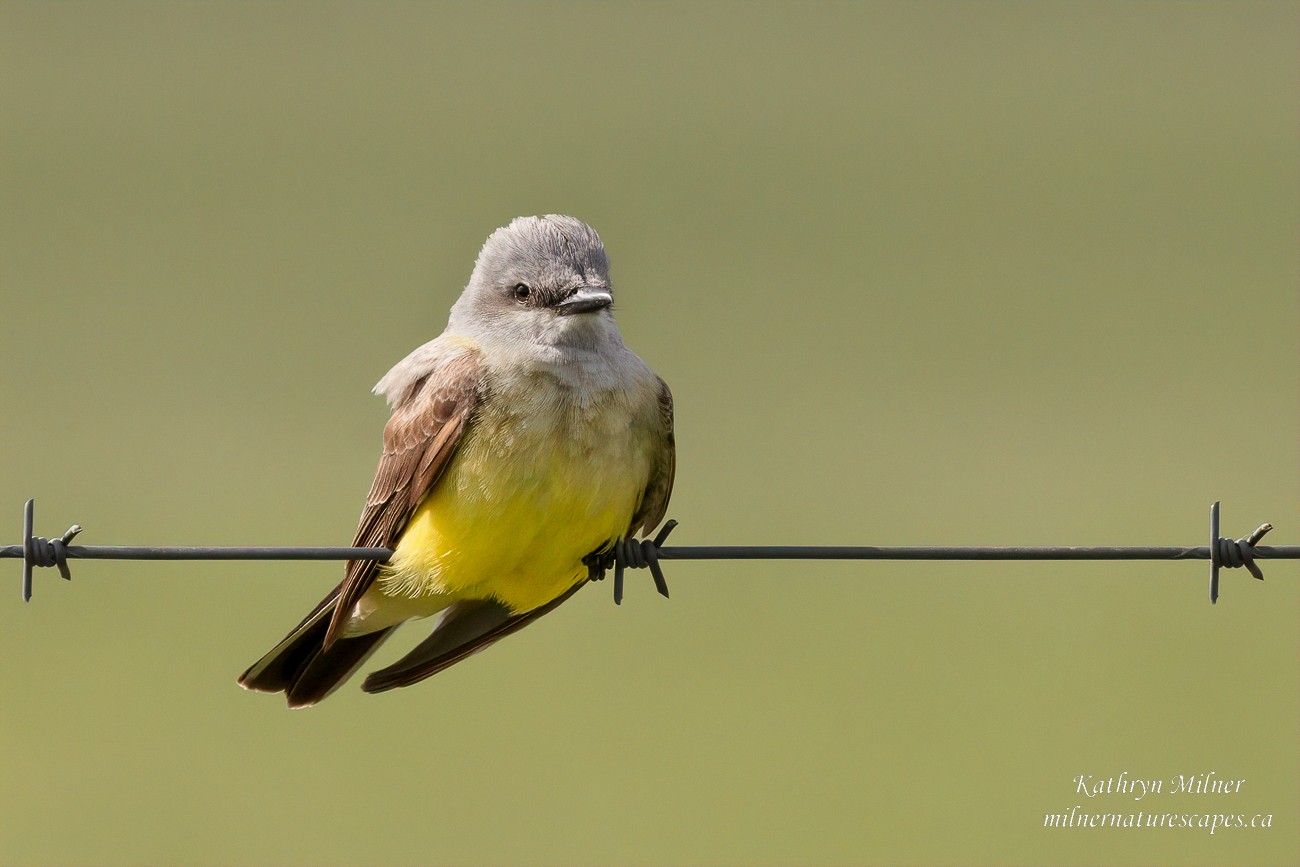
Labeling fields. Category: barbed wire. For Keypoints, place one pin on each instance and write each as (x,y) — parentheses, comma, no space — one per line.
(1223,553)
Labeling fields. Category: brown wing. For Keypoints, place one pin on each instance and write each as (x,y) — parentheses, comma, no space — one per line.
(419,441)
(654,503)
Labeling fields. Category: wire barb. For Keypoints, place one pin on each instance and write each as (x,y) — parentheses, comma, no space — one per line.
(631,554)
(41,552)
(1232,553)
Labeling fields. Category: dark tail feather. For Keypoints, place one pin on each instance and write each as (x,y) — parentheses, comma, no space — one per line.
(465,629)
(328,669)
(302,669)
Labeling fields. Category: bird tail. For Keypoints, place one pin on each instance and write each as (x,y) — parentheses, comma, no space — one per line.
(464,629)
(302,667)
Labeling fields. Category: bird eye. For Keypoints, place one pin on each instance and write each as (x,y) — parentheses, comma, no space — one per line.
(522,291)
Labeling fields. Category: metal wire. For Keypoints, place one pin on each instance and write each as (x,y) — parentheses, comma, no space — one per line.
(37,552)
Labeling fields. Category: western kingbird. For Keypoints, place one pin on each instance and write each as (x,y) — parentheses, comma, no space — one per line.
(523,441)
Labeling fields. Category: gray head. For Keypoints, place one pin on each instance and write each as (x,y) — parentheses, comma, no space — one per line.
(539,281)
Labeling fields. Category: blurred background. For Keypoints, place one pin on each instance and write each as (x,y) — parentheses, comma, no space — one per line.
(925,273)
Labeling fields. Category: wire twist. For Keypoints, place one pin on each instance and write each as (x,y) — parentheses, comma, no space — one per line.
(1232,554)
(631,554)
(53,552)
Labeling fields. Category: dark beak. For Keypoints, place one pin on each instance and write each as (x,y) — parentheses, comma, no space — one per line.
(584,301)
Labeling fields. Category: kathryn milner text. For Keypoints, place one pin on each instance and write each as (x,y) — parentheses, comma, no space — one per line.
(1203,783)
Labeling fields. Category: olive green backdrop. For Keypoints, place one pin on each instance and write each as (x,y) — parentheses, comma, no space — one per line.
(932,273)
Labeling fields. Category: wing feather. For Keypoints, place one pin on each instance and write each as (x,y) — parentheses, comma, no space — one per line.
(654,502)
(419,441)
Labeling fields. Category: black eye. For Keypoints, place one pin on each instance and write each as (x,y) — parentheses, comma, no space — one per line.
(521,291)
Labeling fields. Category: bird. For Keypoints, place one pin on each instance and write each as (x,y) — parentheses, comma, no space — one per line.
(524,443)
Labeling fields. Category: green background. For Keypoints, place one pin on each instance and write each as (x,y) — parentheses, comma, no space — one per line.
(931,273)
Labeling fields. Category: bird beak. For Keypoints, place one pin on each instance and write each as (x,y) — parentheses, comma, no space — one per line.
(584,301)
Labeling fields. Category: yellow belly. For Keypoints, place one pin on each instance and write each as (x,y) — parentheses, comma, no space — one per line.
(518,508)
